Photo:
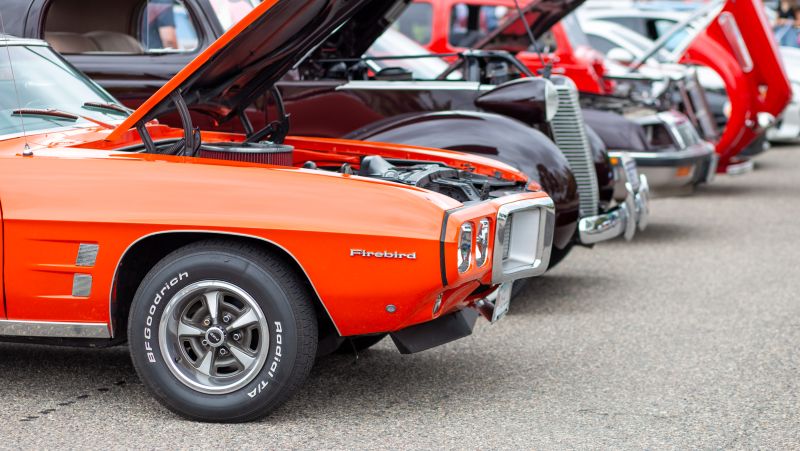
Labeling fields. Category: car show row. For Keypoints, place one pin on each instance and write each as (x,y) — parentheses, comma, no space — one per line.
(237,188)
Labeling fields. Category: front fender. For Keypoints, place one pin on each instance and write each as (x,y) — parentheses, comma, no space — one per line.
(494,136)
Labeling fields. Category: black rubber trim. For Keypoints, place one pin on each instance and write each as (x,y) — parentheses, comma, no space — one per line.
(671,162)
(442,237)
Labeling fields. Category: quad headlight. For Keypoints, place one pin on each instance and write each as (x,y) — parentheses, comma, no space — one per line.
(482,243)
(465,247)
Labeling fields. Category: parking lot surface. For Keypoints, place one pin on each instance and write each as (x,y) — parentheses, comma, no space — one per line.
(686,337)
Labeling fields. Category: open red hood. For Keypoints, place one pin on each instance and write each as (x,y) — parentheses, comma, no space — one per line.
(739,45)
(245,61)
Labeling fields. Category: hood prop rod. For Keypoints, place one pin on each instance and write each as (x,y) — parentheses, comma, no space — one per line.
(547,68)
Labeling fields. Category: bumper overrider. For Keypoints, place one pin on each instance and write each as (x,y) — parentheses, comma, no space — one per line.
(632,210)
(483,247)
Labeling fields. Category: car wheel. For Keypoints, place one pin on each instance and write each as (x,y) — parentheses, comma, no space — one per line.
(358,344)
(222,331)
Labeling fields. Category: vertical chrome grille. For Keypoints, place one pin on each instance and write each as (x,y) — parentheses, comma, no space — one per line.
(570,136)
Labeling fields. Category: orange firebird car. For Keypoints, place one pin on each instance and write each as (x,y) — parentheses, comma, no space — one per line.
(228,262)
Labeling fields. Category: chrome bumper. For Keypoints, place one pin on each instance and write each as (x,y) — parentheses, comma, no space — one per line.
(623,220)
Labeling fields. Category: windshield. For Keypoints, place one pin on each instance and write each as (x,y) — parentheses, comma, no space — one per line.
(229,12)
(574,31)
(394,43)
(45,81)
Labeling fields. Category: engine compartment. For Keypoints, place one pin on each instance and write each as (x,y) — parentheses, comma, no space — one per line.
(458,184)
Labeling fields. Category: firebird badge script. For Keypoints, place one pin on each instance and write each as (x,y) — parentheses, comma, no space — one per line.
(384,254)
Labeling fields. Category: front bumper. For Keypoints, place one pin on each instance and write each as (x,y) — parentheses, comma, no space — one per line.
(630,214)
(787,129)
(522,240)
(677,169)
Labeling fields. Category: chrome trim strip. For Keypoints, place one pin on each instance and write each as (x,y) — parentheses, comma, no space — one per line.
(515,266)
(415,85)
(14,328)
(642,199)
(87,254)
(207,232)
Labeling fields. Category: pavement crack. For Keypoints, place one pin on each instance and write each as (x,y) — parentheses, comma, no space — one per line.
(77,399)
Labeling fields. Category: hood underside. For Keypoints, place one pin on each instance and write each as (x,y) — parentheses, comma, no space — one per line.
(540,15)
(249,58)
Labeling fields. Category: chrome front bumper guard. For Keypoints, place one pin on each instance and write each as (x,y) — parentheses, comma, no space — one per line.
(623,220)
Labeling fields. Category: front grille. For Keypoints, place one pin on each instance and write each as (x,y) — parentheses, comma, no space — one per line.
(570,136)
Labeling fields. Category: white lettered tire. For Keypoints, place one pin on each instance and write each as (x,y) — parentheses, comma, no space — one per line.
(222,331)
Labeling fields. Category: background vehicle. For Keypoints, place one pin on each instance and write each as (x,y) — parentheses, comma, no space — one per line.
(654,24)
(233,259)
(489,103)
(677,166)
(523,146)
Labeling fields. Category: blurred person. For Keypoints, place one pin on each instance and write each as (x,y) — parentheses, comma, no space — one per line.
(786,32)
(160,32)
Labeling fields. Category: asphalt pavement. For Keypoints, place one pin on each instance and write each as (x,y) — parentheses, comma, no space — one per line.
(685,338)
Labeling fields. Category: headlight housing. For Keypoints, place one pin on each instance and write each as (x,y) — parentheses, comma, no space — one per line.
(482,243)
(465,247)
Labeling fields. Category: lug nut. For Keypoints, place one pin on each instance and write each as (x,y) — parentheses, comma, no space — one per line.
(223,351)
(237,336)
(204,342)
(226,318)
(207,322)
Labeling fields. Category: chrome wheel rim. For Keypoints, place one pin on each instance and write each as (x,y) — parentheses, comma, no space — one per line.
(214,337)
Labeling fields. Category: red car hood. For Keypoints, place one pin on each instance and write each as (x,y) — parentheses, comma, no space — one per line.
(245,61)
(739,45)
(541,15)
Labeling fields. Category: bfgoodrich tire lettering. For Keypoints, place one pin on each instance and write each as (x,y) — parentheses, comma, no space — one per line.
(238,364)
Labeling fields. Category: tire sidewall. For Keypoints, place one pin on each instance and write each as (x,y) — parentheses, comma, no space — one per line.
(266,389)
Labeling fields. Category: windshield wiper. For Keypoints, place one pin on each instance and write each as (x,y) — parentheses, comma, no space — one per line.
(45,112)
(112,107)
(50,112)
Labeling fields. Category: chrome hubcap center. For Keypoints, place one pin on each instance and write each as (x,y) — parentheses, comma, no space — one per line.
(215,337)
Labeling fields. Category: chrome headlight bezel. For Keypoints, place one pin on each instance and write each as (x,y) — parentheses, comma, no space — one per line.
(550,101)
(482,243)
(465,246)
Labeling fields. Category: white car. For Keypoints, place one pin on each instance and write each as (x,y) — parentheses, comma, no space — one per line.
(654,23)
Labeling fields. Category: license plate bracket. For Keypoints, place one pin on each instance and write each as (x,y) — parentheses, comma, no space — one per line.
(503,301)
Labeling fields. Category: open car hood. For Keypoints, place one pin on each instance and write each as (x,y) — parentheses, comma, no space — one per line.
(541,15)
(738,44)
(247,60)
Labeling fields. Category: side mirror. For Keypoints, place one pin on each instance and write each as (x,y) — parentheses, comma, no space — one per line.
(621,56)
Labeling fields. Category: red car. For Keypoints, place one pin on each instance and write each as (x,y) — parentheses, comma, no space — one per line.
(736,42)
(230,261)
